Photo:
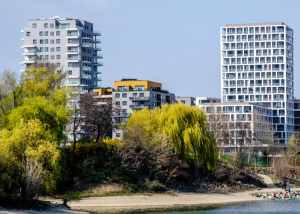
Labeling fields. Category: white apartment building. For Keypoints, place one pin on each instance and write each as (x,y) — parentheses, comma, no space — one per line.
(257,67)
(71,43)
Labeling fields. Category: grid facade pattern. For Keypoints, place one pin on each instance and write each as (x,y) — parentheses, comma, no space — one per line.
(71,43)
(257,66)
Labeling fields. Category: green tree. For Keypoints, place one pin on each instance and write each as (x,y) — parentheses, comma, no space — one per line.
(292,149)
(185,126)
(29,141)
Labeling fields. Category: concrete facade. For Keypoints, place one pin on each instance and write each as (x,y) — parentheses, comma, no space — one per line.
(189,101)
(71,43)
(133,94)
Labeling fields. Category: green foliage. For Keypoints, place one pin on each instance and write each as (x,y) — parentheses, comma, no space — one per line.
(155,186)
(55,117)
(185,126)
(71,196)
(29,140)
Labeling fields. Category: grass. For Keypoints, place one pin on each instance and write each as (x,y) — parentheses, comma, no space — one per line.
(227,159)
(275,181)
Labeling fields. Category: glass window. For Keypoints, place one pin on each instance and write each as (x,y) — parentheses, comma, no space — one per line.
(57,33)
(70,72)
(58,41)
(51,25)
(124,103)
(41,33)
(41,57)
(46,25)
(122,88)
(58,64)
(57,56)
(46,33)
(69,41)
(52,33)
(41,41)
(46,57)
(52,49)
(70,64)
(27,33)
(58,49)
(118,134)
(117,95)
(46,49)
(52,41)
(52,57)
(124,94)
(142,94)
(41,49)
(46,41)
(34,25)
(140,87)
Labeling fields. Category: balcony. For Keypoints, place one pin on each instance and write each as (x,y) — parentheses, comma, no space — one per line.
(98,56)
(86,76)
(98,63)
(28,61)
(72,35)
(139,106)
(86,68)
(86,44)
(97,78)
(73,27)
(23,28)
(139,98)
(86,38)
(96,33)
(97,40)
(73,59)
(121,114)
(30,52)
(73,51)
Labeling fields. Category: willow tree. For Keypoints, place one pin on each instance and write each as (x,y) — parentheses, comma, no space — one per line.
(29,151)
(185,126)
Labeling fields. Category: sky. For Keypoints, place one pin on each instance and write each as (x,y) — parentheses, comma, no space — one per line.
(175,42)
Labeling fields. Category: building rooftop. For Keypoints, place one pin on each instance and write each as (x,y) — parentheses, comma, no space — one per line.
(255,24)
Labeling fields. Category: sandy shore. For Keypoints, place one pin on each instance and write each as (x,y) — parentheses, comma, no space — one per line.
(176,201)
(179,200)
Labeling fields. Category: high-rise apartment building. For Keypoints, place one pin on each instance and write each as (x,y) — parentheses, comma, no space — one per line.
(257,67)
(71,43)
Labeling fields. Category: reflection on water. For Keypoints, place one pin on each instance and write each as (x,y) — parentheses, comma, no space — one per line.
(290,207)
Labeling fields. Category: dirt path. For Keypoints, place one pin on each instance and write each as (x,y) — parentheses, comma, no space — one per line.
(268,181)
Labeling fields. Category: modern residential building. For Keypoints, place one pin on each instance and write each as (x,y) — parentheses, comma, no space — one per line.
(189,101)
(71,43)
(257,67)
(133,94)
(297,115)
(204,100)
(243,121)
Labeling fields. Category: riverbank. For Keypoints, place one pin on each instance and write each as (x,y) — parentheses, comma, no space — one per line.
(176,201)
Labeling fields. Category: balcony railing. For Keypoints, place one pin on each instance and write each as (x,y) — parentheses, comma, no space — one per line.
(139,98)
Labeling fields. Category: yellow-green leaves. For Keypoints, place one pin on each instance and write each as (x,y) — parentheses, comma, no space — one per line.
(185,126)
(29,140)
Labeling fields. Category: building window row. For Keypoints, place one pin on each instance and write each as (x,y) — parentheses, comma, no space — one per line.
(46,33)
(34,25)
(46,41)
(51,49)
(46,57)
(256,30)
(256,45)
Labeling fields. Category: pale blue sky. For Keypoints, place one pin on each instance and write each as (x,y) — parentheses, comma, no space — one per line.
(175,42)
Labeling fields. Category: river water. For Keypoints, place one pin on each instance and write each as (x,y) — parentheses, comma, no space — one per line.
(261,207)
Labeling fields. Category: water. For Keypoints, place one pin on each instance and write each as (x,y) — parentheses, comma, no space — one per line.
(289,206)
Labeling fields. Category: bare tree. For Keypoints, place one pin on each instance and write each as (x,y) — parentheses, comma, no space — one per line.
(32,178)
(147,157)
(96,116)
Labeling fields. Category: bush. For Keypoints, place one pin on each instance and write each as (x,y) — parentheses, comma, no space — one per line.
(155,186)
(71,196)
